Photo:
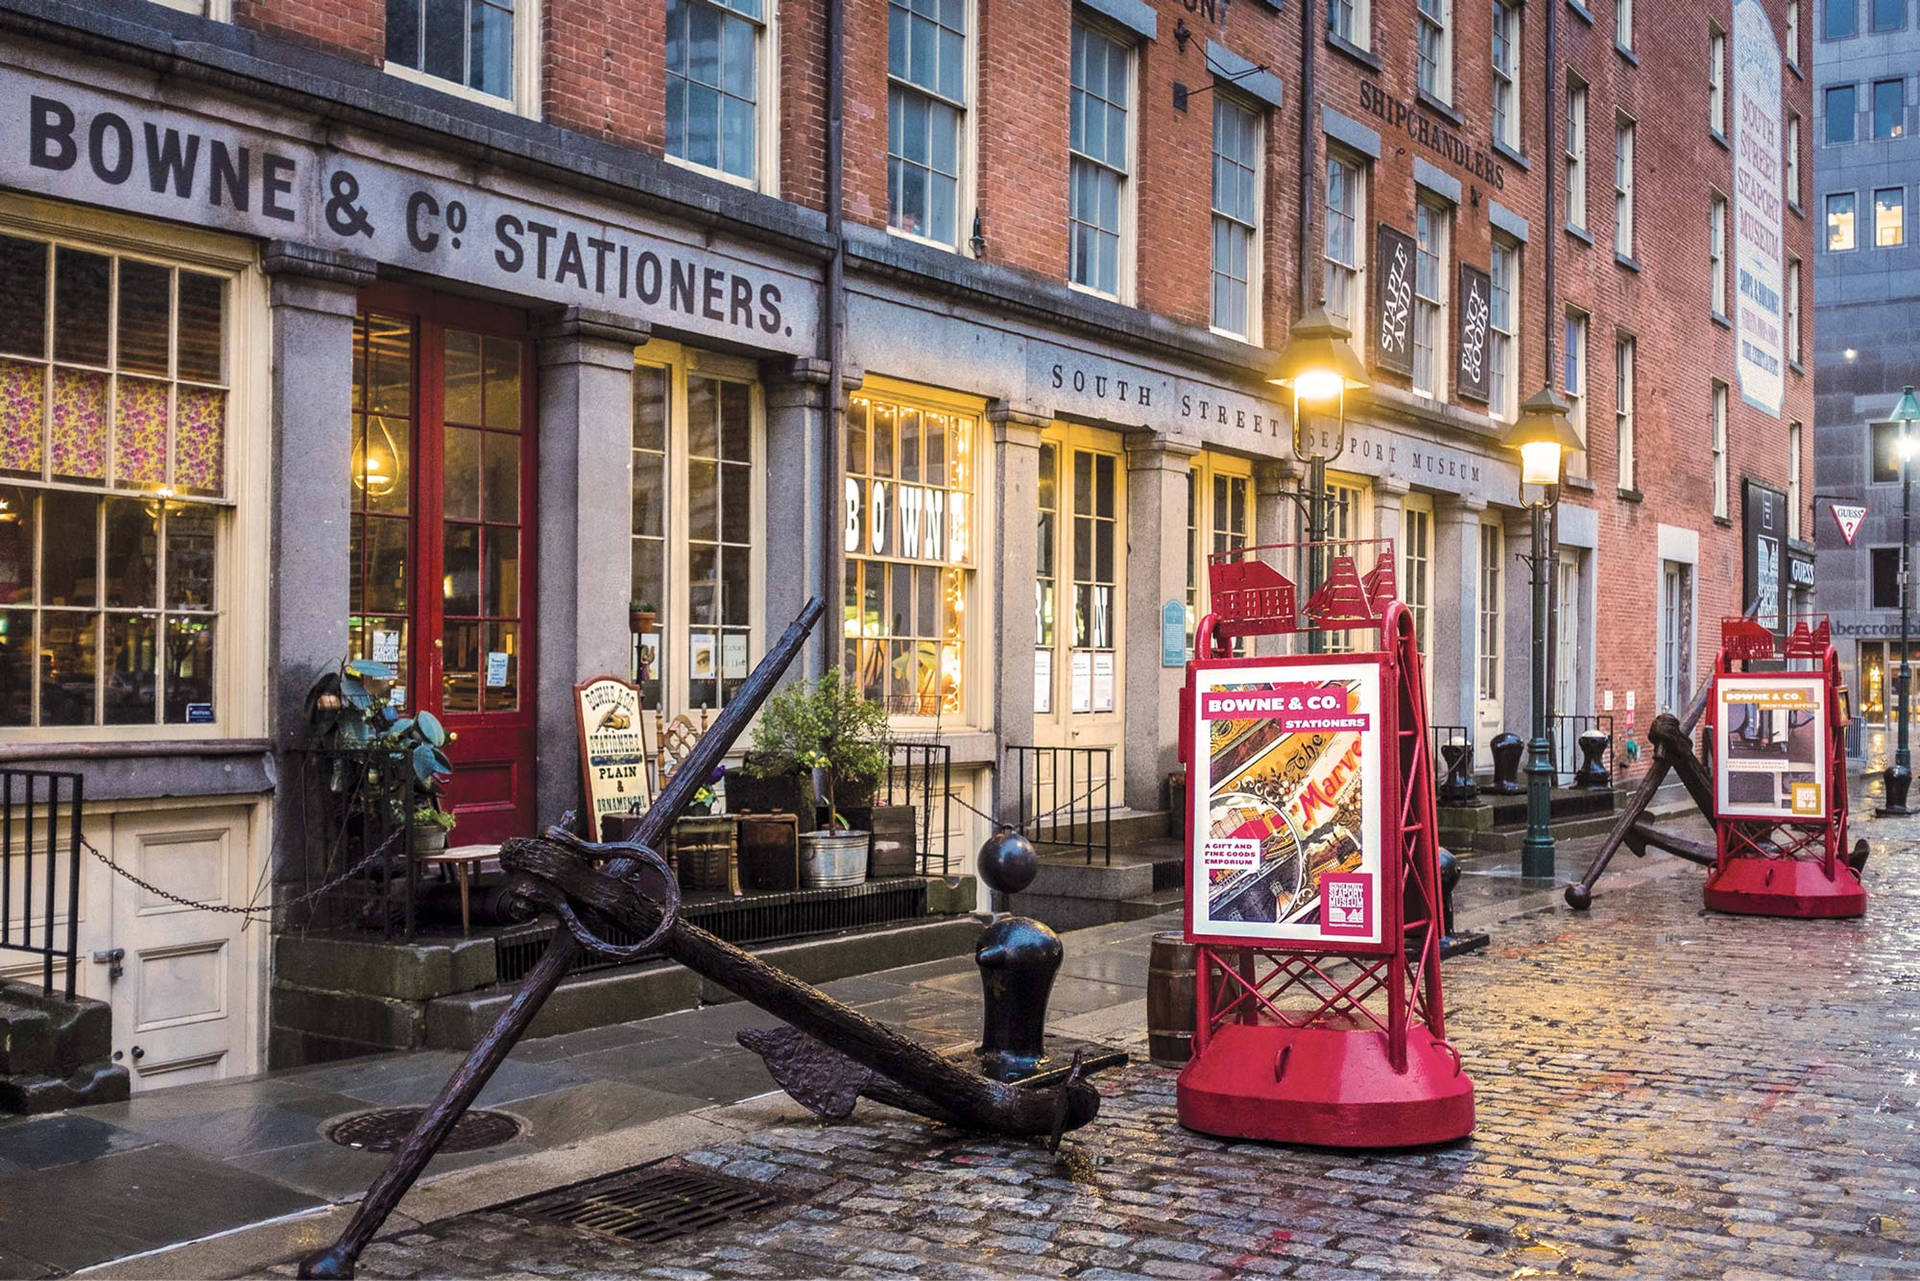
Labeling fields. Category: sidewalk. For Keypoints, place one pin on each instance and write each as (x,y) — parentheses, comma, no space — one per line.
(245,1162)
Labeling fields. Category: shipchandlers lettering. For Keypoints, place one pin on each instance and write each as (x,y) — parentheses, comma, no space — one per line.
(1434,135)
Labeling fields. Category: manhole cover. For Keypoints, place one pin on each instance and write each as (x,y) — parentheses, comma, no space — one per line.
(387,1128)
(649,1204)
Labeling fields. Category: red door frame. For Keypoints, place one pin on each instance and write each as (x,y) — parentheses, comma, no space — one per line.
(480,737)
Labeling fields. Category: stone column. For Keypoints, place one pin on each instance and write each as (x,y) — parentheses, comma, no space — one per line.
(797,425)
(1389,502)
(1155,572)
(314,295)
(1012,634)
(583,542)
(1456,618)
(1516,672)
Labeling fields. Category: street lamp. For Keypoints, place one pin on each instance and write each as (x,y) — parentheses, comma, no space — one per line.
(1899,775)
(1543,434)
(1319,367)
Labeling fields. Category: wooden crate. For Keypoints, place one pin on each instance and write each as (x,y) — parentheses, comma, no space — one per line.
(769,847)
(706,853)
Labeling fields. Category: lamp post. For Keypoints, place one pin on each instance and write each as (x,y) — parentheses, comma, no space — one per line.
(1543,434)
(1899,775)
(1319,367)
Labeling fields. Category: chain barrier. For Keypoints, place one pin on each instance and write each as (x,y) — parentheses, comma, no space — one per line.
(1033,820)
(249,910)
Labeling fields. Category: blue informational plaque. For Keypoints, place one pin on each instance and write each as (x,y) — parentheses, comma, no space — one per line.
(1173,634)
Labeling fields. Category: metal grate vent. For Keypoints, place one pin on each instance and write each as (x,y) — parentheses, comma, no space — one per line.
(648,1204)
(385,1129)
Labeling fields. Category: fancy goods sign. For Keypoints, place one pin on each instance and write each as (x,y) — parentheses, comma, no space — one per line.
(1475,313)
(613,748)
(1285,789)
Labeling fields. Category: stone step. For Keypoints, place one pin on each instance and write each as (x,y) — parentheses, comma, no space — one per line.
(1127,828)
(1508,840)
(1169,899)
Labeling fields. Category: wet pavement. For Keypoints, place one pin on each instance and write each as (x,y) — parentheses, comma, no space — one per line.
(1661,1093)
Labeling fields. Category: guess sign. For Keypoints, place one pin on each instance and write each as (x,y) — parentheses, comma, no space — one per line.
(1393,300)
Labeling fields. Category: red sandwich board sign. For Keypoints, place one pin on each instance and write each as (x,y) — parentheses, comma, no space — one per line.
(1848,516)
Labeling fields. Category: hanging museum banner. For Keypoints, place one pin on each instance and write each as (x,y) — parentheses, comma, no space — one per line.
(1393,300)
(1759,320)
(1286,793)
(613,748)
(1474,312)
(1770,746)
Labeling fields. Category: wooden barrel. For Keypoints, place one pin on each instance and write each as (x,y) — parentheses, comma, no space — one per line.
(1170,1000)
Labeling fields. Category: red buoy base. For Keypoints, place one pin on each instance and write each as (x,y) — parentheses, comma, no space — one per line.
(1785,887)
(1325,1087)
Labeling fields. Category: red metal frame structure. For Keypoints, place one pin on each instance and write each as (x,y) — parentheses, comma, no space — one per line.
(1334,1043)
(1784,866)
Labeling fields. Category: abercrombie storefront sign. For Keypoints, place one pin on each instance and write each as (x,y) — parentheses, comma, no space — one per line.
(68,142)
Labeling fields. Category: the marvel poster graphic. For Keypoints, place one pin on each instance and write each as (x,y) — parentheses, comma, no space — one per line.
(1770,746)
(1286,827)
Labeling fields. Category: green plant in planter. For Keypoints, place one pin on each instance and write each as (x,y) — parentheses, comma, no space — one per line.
(351,708)
(824,726)
(433,816)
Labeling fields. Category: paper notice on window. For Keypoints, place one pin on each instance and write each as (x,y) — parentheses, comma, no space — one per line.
(1043,682)
(733,656)
(1103,682)
(1082,674)
(497,669)
(704,658)
(386,647)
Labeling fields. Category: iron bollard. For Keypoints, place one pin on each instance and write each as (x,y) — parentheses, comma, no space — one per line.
(1452,941)
(1459,787)
(1018,958)
(1506,750)
(1593,774)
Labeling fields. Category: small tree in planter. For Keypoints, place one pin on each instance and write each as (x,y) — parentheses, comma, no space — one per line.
(351,708)
(824,727)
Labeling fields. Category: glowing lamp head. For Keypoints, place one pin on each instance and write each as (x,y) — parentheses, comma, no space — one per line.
(1318,386)
(1543,434)
(1318,363)
(1907,408)
(1540,463)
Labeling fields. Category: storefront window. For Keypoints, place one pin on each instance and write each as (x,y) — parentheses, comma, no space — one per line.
(113,476)
(1219,519)
(908,534)
(694,533)
(379,586)
(1346,520)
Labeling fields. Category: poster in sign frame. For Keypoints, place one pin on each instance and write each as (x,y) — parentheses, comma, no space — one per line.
(1287,791)
(1770,747)
(613,748)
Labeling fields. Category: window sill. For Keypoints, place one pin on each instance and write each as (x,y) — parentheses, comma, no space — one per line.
(1582,483)
(1725,522)
(1794,67)
(1797,368)
(1438,107)
(1512,155)
(458,90)
(1793,206)
(1623,260)
(707,171)
(1720,138)
(1581,11)
(1721,319)
(916,238)
(1633,59)
(1627,495)
(1364,57)
(1580,234)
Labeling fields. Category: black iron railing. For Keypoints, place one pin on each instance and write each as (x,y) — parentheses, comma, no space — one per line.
(921,774)
(1065,797)
(1443,737)
(1563,739)
(354,810)
(40,868)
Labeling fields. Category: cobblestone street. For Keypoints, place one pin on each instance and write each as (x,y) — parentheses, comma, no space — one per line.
(1661,1093)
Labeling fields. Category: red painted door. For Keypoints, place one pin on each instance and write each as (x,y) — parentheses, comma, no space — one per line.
(443,565)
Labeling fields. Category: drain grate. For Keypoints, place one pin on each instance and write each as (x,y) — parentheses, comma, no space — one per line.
(385,1129)
(648,1204)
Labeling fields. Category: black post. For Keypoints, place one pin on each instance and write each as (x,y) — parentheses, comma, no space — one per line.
(1536,853)
(1316,533)
(1899,775)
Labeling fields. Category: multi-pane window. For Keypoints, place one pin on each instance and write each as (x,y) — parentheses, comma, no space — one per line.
(380,583)
(1346,188)
(1843,19)
(1349,20)
(1095,537)
(1720,450)
(114,376)
(1840,107)
(1676,636)
(1567,685)
(1793,32)
(1046,575)
(693,534)
(1889,108)
(1623,186)
(1794,498)
(1492,630)
(926,105)
(1429,299)
(1717,254)
(910,555)
(1623,23)
(1416,555)
(1888,15)
(1097,175)
(713,83)
(1503,329)
(1793,158)
(1236,218)
(1574,381)
(1219,520)
(1889,217)
(1841,212)
(1716,80)
(1435,45)
(1793,310)
(1884,563)
(467,42)
(1623,380)
(1506,73)
(1576,153)
(1346,520)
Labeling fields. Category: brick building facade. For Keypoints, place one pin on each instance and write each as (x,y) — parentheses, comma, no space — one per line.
(557,286)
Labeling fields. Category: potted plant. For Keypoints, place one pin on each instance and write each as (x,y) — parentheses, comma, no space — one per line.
(827,729)
(641,616)
(350,710)
(431,824)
